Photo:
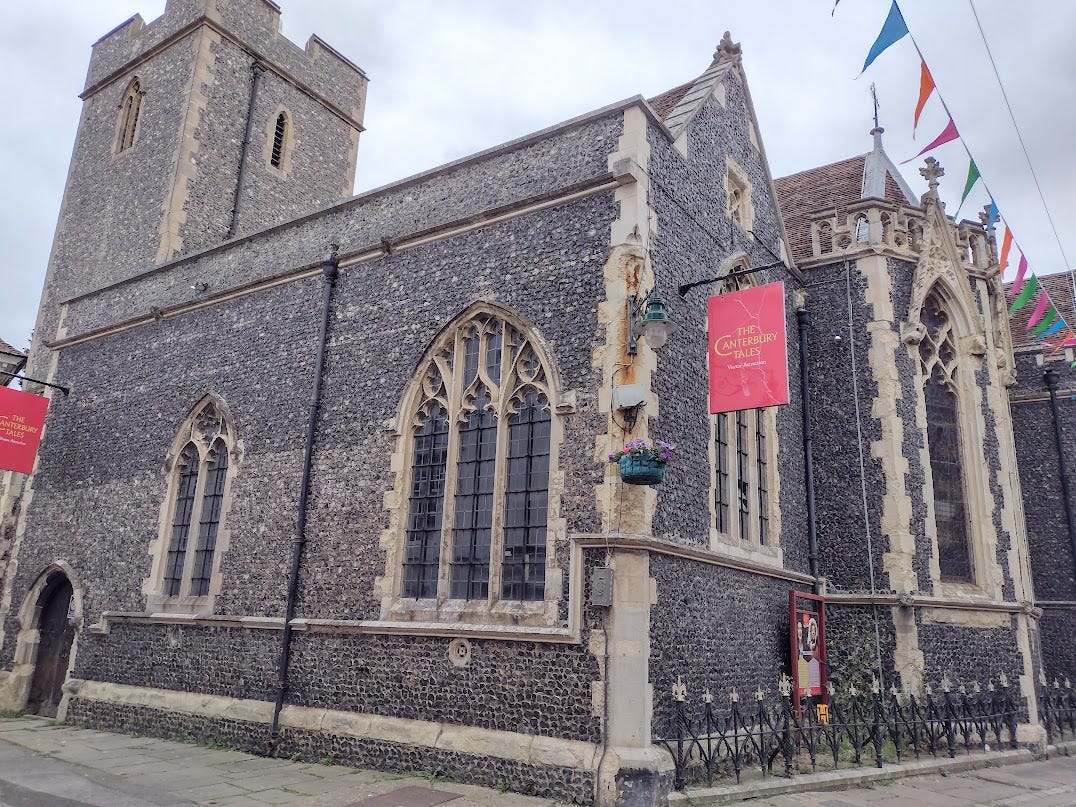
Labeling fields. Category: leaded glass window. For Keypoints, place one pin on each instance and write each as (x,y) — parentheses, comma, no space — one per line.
(199,485)
(938,354)
(742,466)
(479,475)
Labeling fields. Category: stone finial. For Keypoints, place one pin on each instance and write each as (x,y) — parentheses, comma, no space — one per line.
(932,173)
(727,51)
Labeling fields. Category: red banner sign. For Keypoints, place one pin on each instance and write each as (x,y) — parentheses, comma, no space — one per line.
(748,353)
(22,417)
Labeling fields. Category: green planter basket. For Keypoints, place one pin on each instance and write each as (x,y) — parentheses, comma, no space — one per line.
(642,470)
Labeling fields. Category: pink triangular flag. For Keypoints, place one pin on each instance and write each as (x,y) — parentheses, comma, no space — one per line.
(1040,309)
(1021,270)
(950,133)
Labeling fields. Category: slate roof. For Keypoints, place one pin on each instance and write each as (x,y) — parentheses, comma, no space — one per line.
(1059,287)
(6,348)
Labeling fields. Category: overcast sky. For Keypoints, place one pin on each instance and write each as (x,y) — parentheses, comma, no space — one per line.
(451,77)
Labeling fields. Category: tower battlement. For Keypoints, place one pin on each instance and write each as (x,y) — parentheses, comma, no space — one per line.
(255,25)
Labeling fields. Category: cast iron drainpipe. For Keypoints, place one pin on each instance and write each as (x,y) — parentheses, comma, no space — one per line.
(256,70)
(330,269)
(1051,378)
(803,319)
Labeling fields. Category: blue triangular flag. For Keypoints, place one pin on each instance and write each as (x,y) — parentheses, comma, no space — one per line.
(991,215)
(894,29)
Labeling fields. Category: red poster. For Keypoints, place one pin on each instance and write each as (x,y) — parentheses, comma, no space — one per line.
(807,628)
(748,354)
(22,417)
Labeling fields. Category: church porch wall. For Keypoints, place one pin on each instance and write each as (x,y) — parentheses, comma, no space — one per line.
(716,629)
(463,193)
(1053,567)
(845,559)
(693,234)
(1057,634)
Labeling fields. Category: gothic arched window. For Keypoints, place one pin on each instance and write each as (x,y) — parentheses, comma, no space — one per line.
(130,110)
(480,445)
(188,555)
(938,356)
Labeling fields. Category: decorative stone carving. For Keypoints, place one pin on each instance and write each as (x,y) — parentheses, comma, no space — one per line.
(727,51)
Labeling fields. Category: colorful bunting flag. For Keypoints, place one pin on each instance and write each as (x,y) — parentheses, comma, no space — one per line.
(1021,270)
(992,214)
(1038,312)
(1047,321)
(1021,299)
(926,87)
(1057,326)
(893,30)
(948,135)
(973,177)
(1006,245)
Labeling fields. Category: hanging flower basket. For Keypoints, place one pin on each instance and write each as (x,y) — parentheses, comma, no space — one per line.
(642,462)
(642,470)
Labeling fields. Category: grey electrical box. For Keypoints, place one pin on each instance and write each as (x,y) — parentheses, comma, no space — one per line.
(628,396)
(601,587)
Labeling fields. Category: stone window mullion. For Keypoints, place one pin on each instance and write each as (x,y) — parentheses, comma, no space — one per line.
(455,398)
(196,519)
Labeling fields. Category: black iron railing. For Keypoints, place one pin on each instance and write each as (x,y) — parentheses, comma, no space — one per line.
(1057,708)
(850,727)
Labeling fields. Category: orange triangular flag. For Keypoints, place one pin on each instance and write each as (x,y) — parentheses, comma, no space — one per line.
(926,87)
(1006,245)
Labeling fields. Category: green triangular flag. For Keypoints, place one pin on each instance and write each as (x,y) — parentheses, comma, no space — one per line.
(973,177)
(1028,292)
(1047,321)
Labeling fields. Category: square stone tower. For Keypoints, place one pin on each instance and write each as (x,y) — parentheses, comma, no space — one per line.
(201,126)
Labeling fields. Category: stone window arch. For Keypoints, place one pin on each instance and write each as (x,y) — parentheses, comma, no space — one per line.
(130,115)
(957,487)
(193,526)
(280,141)
(825,237)
(744,483)
(862,229)
(478,446)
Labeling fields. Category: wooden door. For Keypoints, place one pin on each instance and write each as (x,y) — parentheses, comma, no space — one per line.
(54,649)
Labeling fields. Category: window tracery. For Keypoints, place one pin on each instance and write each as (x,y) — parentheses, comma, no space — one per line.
(938,356)
(481,442)
(194,537)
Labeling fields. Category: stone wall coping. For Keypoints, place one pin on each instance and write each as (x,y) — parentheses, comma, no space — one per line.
(367,626)
(659,547)
(927,601)
(1065,604)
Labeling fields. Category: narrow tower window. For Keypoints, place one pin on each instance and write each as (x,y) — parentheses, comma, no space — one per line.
(130,108)
(278,140)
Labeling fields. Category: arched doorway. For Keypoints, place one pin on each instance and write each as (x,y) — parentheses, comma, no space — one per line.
(54,646)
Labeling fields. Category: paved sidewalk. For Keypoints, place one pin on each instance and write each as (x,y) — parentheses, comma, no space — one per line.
(46,764)
(1048,783)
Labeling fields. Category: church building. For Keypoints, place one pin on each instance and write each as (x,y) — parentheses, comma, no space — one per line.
(353,498)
